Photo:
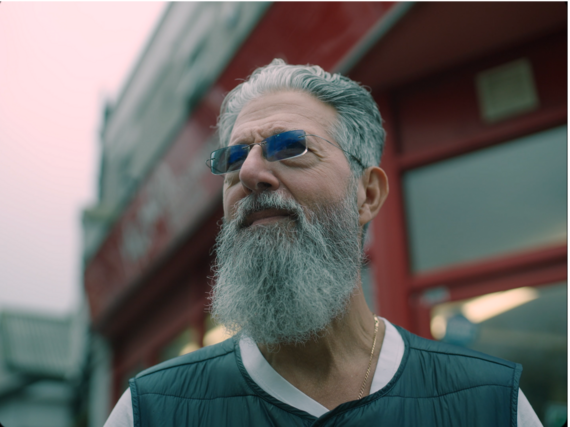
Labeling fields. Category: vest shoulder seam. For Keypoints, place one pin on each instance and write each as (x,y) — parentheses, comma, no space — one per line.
(143,374)
(451,392)
(197,398)
(496,362)
(226,397)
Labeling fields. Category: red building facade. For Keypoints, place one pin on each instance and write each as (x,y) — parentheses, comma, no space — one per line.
(473,96)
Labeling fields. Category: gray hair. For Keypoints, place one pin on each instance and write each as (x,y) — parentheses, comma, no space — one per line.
(359,129)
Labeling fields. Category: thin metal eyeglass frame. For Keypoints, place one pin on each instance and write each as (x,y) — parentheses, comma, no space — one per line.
(263,143)
(344,151)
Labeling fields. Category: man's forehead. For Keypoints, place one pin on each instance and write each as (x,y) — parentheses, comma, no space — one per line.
(246,134)
(277,112)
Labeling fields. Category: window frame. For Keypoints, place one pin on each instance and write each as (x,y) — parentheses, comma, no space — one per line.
(399,291)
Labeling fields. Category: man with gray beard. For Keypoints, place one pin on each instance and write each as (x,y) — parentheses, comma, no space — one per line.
(300,150)
(284,282)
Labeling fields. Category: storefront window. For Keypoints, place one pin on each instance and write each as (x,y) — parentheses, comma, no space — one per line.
(525,325)
(494,201)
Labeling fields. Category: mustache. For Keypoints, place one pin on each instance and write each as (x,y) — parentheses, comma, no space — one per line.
(257,202)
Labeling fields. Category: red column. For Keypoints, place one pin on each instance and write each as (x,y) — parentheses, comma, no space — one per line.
(389,247)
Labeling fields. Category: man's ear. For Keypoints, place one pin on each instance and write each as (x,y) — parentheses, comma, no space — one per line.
(372,192)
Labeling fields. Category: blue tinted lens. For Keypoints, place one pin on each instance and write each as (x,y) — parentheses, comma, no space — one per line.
(285,145)
(228,159)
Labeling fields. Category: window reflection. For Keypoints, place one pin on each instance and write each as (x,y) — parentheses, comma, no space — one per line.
(505,198)
(525,325)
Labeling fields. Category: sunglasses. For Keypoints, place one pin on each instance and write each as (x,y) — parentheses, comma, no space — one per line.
(286,145)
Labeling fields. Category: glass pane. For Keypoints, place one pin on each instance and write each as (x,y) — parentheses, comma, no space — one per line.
(493,201)
(525,325)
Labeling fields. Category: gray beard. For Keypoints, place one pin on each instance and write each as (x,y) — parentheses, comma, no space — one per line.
(284,282)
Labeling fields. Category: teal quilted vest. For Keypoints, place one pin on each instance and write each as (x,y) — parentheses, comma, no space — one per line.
(436,385)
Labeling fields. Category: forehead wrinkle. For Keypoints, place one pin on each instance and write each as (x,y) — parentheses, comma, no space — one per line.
(323,116)
(258,133)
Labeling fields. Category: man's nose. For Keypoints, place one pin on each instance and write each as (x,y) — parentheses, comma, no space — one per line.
(256,173)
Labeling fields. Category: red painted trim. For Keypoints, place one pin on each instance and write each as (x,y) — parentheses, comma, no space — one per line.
(517,279)
(511,130)
(536,269)
(522,262)
(389,250)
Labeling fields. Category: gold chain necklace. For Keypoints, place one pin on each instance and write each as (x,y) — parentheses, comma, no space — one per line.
(370,361)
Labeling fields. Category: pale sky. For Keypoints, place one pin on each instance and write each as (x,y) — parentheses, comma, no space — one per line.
(58,63)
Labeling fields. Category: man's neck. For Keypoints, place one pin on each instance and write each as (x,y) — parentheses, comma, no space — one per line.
(331,369)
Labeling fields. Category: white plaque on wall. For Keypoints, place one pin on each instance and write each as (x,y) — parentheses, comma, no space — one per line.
(506,91)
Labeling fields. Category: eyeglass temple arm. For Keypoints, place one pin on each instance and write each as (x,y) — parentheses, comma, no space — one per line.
(338,146)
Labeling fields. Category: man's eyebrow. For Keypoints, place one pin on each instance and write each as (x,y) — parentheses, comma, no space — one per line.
(247,140)
(275,131)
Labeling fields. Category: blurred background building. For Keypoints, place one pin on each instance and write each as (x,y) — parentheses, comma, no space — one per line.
(470,247)
(42,367)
